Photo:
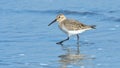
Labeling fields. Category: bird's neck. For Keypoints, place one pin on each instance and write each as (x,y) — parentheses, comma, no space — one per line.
(61,20)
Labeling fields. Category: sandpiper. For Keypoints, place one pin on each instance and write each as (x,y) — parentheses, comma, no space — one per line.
(71,27)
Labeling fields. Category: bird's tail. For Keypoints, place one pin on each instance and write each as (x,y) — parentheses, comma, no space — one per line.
(93,26)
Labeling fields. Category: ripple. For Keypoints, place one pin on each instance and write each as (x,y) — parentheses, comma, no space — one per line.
(113,11)
(10,41)
(50,11)
(2,63)
(115,19)
(31,63)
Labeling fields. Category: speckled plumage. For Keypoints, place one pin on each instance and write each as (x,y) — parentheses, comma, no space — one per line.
(71,26)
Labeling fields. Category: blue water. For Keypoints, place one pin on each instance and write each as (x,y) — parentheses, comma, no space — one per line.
(26,41)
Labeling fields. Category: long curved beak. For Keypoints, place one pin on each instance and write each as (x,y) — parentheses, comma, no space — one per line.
(52,22)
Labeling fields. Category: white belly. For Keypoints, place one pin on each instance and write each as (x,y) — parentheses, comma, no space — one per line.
(75,32)
(72,32)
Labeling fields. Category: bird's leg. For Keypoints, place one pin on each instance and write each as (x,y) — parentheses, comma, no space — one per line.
(77,38)
(63,41)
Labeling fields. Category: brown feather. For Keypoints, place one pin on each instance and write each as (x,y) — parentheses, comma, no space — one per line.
(73,24)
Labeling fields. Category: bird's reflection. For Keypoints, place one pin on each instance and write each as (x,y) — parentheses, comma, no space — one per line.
(72,57)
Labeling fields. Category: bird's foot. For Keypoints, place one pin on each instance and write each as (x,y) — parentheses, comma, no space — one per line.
(59,42)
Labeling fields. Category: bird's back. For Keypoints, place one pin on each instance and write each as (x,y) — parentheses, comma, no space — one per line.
(72,25)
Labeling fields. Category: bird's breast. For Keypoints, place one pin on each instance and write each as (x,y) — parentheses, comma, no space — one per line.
(62,27)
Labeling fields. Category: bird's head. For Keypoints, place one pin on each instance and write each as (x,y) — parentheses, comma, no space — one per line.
(59,18)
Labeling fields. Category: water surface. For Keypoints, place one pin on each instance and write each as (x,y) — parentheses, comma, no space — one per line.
(27,42)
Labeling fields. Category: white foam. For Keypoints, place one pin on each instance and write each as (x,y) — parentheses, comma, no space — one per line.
(21,54)
(100,49)
(27,64)
(99,64)
(43,64)
(93,56)
(117,26)
(86,40)
(112,28)
(82,66)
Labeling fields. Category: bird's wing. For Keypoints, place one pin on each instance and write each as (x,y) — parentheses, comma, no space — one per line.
(73,25)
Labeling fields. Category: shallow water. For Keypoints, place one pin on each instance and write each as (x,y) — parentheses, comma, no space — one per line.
(27,42)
